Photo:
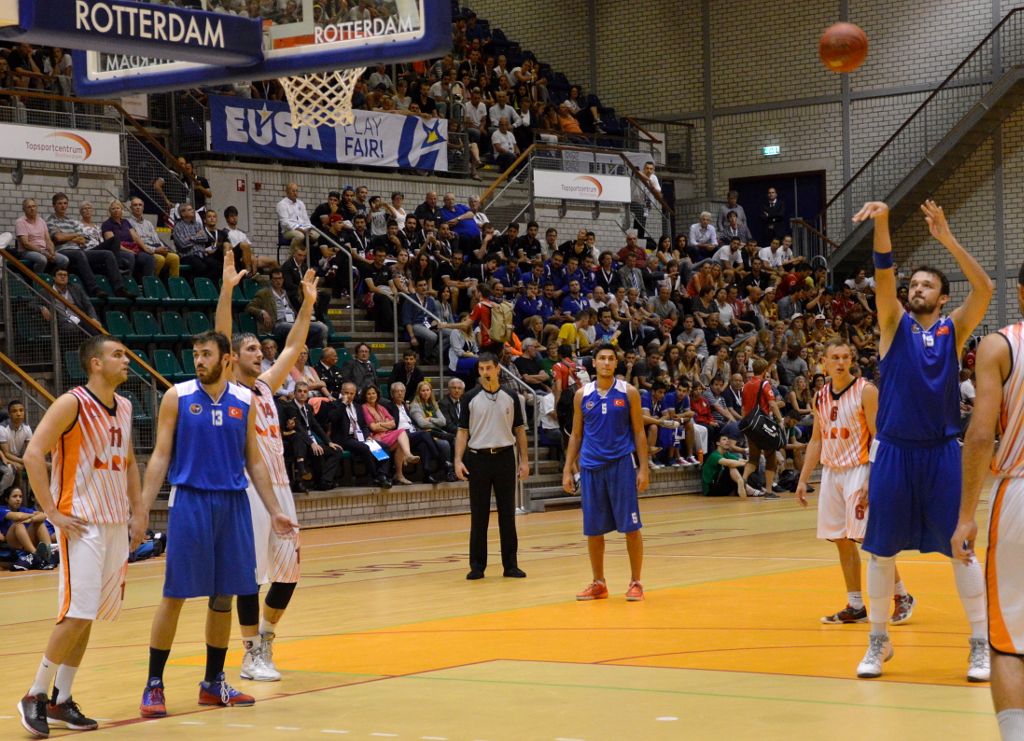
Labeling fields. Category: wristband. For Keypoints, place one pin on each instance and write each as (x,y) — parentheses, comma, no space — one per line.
(882,260)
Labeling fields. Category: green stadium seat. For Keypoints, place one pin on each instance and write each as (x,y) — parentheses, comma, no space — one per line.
(146,325)
(131,286)
(198,322)
(73,366)
(206,292)
(246,323)
(174,325)
(188,364)
(238,299)
(153,292)
(118,324)
(180,291)
(343,355)
(134,365)
(111,300)
(314,355)
(249,288)
(167,365)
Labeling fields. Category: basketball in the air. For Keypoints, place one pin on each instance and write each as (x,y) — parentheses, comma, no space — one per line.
(843,47)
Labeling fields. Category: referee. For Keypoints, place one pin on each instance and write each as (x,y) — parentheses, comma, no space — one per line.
(490,426)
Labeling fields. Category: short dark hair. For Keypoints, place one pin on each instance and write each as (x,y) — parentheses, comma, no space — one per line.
(487,357)
(605,345)
(240,338)
(943,280)
(17,403)
(276,271)
(90,348)
(550,229)
(58,196)
(409,354)
(212,335)
(533,224)
(565,351)
(230,211)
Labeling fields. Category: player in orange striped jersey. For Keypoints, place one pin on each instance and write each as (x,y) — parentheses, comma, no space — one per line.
(93,497)
(844,425)
(277,558)
(999,406)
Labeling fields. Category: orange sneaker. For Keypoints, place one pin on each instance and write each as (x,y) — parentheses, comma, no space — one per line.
(635,593)
(595,590)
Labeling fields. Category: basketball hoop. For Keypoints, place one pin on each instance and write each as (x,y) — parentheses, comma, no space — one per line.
(322,98)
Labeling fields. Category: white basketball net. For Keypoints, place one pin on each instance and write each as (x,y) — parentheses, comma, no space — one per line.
(322,98)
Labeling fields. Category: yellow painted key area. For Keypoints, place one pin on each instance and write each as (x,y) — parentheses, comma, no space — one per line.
(386,639)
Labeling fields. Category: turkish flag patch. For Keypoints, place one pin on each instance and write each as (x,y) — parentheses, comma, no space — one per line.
(235,412)
(620,402)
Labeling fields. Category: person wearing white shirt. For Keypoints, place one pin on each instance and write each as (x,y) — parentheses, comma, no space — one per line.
(730,254)
(381,77)
(503,141)
(703,237)
(475,123)
(501,109)
(775,255)
(242,247)
(293,217)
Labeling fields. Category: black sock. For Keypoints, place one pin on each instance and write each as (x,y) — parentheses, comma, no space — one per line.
(157,662)
(214,661)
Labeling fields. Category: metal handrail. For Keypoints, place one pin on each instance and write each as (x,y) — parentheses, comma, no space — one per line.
(351,283)
(536,417)
(25,378)
(440,337)
(815,231)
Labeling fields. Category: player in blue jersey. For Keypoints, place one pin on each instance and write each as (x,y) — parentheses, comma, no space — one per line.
(914,490)
(206,438)
(609,445)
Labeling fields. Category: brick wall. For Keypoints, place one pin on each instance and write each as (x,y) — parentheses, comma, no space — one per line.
(40,183)
(557,32)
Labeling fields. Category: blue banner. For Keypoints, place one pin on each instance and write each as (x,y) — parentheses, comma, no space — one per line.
(262,128)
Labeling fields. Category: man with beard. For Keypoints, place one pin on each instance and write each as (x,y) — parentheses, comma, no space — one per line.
(206,441)
(914,491)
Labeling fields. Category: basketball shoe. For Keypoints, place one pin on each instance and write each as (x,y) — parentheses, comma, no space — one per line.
(902,610)
(223,694)
(879,651)
(255,665)
(32,710)
(594,590)
(68,715)
(846,616)
(978,668)
(153,703)
(635,593)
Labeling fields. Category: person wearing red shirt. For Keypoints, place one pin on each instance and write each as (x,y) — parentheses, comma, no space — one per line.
(791,280)
(842,304)
(770,406)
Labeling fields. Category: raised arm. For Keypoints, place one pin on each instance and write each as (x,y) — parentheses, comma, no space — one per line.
(992,366)
(890,310)
(296,339)
(972,310)
(229,279)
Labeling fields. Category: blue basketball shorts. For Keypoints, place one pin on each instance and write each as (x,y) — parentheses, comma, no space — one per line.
(609,498)
(210,547)
(913,498)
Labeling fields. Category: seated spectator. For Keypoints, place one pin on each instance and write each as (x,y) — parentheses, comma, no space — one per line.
(463,351)
(238,242)
(34,246)
(15,435)
(734,229)
(322,214)
(269,349)
(163,256)
(702,240)
(406,371)
(658,413)
(384,429)
(504,148)
(329,372)
(303,372)
(418,314)
(74,295)
(722,473)
(119,229)
(274,312)
(359,369)
(69,240)
(26,531)
(307,448)
(731,205)
(292,217)
(350,431)
(378,297)
(501,109)
(196,244)
(426,414)
(530,368)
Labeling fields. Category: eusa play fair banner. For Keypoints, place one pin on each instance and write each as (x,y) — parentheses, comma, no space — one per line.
(262,128)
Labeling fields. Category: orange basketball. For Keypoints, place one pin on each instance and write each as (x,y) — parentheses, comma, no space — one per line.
(843,47)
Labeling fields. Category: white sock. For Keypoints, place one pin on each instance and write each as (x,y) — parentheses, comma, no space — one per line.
(855,600)
(970,583)
(249,643)
(901,591)
(881,575)
(267,627)
(1011,724)
(65,678)
(44,677)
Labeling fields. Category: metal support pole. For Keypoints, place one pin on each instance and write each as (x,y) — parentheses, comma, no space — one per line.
(5,287)
(58,361)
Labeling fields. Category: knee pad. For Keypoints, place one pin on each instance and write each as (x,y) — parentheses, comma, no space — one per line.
(220,602)
(279,595)
(249,609)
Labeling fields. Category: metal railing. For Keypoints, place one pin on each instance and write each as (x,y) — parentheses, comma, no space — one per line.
(440,335)
(17,385)
(672,141)
(352,268)
(1001,50)
(811,243)
(523,506)
(45,343)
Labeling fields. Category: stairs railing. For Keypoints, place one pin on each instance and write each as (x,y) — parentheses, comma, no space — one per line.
(1001,50)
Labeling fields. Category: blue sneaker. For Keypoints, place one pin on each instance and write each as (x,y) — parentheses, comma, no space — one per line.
(223,694)
(153,703)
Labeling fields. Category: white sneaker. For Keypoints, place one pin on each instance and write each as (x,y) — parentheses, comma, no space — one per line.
(978,664)
(255,668)
(879,651)
(267,654)
(692,460)
(654,466)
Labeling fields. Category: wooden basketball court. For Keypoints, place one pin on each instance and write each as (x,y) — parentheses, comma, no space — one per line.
(386,639)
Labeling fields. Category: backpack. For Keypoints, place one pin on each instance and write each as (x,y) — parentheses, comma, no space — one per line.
(501,322)
(788,479)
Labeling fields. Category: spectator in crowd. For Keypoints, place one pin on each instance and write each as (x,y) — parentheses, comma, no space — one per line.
(275,313)
(503,144)
(14,438)
(463,350)
(501,109)
(702,240)
(731,205)
(196,244)
(435,453)
(163,256)
(234,239)
(26,531)
(350,431)
(329,372)
(269,349)
(451,404)
(773,215)
(307,374)
(407,371)
(34,246)
(359,369)
(428,209)
(418,313)
(377,279)
(386,432)
(70,241)
(292,217)
(67,319)
(734,229)
(119,229)
(306,445)
(721,474)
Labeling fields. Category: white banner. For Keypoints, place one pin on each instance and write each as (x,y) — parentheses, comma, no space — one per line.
(581,187)
(67,146)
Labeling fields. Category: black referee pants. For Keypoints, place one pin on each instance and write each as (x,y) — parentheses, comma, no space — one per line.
(497,472)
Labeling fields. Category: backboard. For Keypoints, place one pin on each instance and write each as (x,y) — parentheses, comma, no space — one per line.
(298,36)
